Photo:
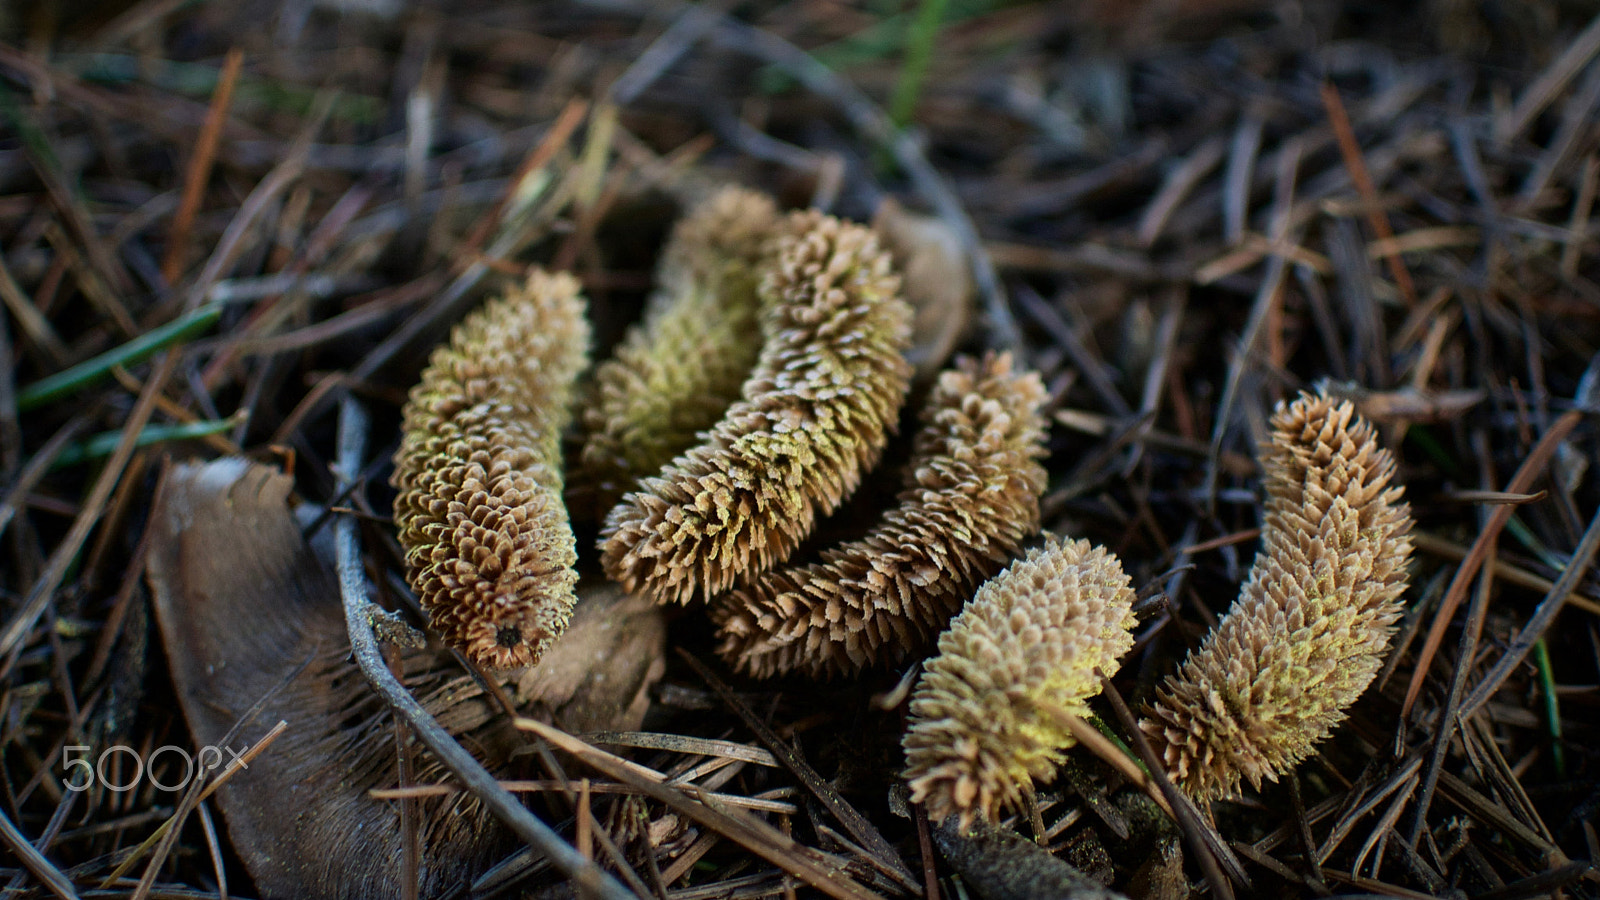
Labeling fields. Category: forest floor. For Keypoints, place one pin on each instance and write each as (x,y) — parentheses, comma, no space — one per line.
(220,223)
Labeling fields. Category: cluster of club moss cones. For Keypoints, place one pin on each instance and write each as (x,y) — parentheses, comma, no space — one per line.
(713,456)
(1305,638)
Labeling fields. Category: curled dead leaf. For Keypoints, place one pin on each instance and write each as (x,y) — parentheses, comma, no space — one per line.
(936,280)
(598,676)
(248,610)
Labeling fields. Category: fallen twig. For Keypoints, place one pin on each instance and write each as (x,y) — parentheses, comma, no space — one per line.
(586,876)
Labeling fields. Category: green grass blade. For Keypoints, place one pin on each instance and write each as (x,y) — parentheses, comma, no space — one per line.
(102,444)
(92,370)
(919,52)
(1552,707)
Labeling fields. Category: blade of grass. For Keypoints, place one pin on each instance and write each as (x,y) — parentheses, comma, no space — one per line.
(1552,706)
(140,348)
(199,170)
(919,52)
(102,445)
(1525,536)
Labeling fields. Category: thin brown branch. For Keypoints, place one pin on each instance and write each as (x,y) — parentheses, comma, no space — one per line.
(1524,478)
(1361,177)
(199,170)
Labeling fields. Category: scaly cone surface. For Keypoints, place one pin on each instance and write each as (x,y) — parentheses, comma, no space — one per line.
(1312,623)
(1033,635)
(973,500)
(813,418)
(675,373)
(487,542)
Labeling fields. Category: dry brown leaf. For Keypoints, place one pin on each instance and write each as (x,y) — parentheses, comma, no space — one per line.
(597,677)
(243,604)
(937,281)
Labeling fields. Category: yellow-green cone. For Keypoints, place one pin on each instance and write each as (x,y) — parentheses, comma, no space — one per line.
(488,546)
(674,374)
(1312,623)
(1034,634)
(973,500)
(814,416)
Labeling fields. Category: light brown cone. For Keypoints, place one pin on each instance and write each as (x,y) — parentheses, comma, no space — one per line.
(973,500)
(1312,623)
(1033,634)
(488,546)
(813,417)
(674,374)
